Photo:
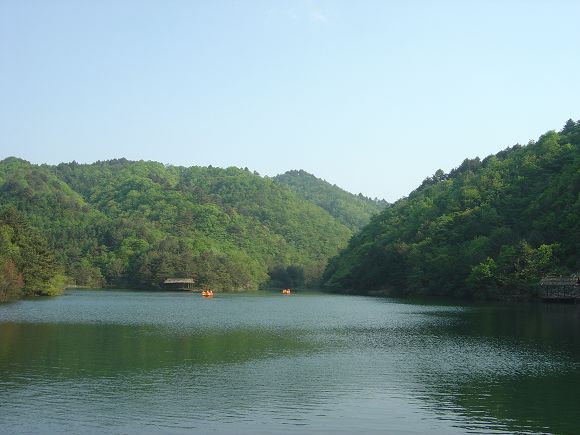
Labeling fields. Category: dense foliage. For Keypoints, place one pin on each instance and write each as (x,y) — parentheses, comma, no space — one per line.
(27,266)
(354,211)
(133,224)
(489,228)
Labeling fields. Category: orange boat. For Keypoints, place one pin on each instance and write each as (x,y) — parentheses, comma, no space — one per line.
(286,291)
(207,293)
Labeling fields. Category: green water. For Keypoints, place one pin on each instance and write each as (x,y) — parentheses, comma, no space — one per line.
(138,362)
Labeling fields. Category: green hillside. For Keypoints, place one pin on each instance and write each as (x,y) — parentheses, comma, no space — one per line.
(133,224)
(489,228)
(354,211)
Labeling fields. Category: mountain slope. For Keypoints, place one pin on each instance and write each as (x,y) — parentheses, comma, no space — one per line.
(354,211)
(489,228)
(133,224)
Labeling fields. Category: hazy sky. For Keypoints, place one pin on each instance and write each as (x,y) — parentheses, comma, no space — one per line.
(371,95)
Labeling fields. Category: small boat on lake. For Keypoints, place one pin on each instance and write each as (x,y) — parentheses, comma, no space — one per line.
(286,291)
(207,293)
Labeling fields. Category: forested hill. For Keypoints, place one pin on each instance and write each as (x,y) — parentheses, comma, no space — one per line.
(489,228)
(133,224)
(354,211)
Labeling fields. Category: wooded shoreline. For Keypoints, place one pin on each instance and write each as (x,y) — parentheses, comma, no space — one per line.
(489,229)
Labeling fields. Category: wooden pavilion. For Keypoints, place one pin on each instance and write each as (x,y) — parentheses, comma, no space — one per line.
(179,284)
(558,288)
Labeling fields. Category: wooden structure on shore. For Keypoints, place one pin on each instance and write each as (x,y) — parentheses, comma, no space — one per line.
(186,284)
(560,289)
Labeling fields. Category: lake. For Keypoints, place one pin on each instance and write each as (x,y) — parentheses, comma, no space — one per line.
(149,362)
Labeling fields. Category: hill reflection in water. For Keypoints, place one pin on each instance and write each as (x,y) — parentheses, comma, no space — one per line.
(167,362)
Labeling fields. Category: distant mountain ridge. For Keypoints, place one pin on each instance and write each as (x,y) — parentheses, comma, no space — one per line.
(351,210)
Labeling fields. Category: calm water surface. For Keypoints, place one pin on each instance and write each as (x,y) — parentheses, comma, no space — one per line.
(130,362)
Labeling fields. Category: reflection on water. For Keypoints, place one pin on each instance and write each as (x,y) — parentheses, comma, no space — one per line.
(69,351)
(112,361)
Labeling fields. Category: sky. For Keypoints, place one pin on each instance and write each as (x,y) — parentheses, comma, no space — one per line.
(373,96)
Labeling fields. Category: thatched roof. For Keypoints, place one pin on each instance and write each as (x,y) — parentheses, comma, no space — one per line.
(179,281)
(560,281)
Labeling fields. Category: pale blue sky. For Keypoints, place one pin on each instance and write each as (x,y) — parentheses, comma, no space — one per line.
(371,95)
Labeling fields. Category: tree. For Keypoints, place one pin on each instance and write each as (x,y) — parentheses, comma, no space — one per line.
(11,282)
